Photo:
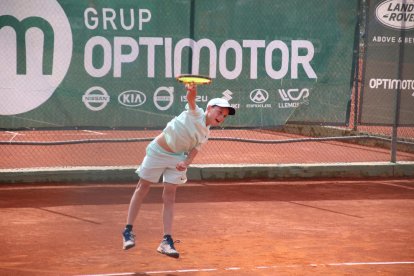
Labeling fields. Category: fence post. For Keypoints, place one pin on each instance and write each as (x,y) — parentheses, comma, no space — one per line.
(191,36)
(394,137)
(358,57)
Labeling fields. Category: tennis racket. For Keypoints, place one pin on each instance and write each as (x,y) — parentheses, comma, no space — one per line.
(194,79)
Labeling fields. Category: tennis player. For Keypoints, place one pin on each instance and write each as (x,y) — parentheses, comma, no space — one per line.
(170,154)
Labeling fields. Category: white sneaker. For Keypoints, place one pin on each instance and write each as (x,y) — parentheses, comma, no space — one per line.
(167,247)
(129,239)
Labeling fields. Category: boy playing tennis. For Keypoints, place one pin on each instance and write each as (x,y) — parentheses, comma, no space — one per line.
(169,154)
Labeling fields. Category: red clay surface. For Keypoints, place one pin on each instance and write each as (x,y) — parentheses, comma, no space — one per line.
(215,152)
(320,227)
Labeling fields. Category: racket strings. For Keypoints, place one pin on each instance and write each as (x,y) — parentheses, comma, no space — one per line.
(194,79)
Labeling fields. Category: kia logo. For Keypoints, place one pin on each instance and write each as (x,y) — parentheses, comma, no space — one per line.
(132,98)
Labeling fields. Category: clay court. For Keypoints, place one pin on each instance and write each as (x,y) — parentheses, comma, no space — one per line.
(318,227)
(338,226)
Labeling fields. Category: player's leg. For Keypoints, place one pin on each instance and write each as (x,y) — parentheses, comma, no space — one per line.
(172,178)
(140,193)
(167,245)
(150,171)
(168,197)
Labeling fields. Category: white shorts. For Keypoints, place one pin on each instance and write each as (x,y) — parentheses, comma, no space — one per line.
(159,162)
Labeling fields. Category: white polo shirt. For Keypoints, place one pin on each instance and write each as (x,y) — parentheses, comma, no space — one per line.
(187,131)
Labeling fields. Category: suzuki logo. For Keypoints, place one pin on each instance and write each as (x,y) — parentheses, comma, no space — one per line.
(227,95)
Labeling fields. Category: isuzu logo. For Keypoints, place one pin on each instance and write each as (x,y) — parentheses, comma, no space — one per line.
(397,14)
(132,98)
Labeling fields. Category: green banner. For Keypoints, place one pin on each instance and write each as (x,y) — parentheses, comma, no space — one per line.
(388,91)
(113,63)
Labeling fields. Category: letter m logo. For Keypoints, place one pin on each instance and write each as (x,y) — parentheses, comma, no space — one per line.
(20,28)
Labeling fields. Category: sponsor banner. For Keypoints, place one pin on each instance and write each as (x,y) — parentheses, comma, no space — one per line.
(389,64)
(113,63)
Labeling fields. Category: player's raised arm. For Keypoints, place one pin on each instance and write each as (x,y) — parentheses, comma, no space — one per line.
(191,95)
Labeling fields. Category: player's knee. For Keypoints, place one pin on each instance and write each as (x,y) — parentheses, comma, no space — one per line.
(143,187)
(168,196)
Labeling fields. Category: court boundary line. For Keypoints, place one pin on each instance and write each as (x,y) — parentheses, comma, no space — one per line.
(397,185)
(339,264)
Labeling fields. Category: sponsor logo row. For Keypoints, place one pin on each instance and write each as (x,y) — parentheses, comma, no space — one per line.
(97,98)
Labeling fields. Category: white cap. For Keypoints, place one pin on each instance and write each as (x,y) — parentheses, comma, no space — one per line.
(222,103)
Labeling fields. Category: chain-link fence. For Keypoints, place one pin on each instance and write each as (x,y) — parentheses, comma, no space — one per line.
(294,71)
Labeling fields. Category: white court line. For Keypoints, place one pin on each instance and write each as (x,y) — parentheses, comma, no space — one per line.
(14,135)
(197,270)
(233,268)
(257,267)
(111,274)
(152,272)
(86,132)
(371,263)
(94,132)
(397,185)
